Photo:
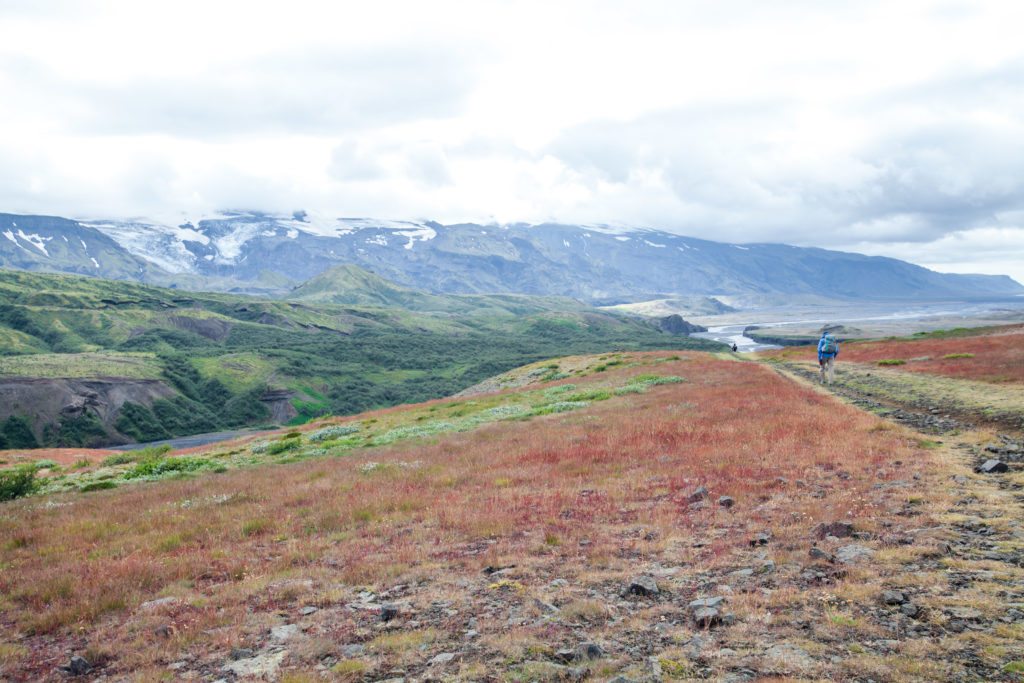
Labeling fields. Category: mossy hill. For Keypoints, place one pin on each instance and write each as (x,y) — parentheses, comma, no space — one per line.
(91,362)
(354,286)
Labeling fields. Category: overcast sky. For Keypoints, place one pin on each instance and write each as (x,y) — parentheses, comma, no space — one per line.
(892,128)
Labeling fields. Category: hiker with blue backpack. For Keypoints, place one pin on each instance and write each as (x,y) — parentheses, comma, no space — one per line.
(828,349)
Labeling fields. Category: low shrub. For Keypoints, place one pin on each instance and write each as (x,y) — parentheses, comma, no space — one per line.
(18,482)
(282,446)
(561,389)
(414,432)
(98,486)
(503,412)
(892,361)
(136,456)
(559,407)
(954,356)
(328,433)
(591,395)
(156,467)
(654,380)
(256,527)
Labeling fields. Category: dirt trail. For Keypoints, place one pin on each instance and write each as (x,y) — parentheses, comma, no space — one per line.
(927,402)
(971,591)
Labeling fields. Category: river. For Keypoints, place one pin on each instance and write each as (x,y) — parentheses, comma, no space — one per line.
(733,334)
(185,441)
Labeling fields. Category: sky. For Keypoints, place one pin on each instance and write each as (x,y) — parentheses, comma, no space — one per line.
(886,128)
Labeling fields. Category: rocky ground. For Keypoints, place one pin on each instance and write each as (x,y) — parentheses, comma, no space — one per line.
(979,558)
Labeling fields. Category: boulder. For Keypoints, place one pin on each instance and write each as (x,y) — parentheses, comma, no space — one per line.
(644,586)
(706,617)
(699,494)
(284,632)
(78,666)
(264,666)
(841,529)
(910,609)
(849,554)
(893,597)
(701,603)
(993,467)
(817,553)
(443,658)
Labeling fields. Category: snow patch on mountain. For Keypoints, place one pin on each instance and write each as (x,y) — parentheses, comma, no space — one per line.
(421,234)
(229,245)
(36,241)
(161,245)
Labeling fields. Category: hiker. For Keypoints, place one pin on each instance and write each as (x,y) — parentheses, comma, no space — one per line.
(734,347)
(828,349)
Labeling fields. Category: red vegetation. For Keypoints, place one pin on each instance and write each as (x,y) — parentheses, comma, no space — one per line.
(996,356)
(65,457)
(561,494)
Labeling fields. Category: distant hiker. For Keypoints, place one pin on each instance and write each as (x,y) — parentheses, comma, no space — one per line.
(828,349)
(734,347)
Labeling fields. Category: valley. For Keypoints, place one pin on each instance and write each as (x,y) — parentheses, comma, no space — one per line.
(96,362)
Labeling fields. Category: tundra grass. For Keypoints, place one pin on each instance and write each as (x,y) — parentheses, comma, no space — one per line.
(333,438)
(592,496)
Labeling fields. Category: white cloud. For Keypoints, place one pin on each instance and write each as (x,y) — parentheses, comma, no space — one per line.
(894,128)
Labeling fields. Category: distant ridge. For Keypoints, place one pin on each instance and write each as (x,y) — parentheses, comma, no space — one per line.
(352,285)
(270,254)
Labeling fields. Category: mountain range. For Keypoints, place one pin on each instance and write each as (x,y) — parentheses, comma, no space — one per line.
(259,253)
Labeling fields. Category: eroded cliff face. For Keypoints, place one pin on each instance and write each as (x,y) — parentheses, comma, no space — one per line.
(46,402)
(279,403)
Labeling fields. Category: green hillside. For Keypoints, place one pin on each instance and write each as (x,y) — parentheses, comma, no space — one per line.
(114,361)
(351,285)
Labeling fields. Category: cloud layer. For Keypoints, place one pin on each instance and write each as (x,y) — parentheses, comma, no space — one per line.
(887,128)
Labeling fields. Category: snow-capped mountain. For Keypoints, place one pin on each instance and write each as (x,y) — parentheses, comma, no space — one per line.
(273,253)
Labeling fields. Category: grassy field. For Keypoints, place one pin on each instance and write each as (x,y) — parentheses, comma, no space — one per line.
(502,527)
(77,365)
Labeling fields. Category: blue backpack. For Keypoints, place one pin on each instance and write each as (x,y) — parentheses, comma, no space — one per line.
(831,346)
